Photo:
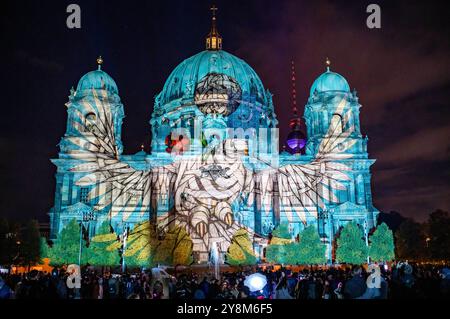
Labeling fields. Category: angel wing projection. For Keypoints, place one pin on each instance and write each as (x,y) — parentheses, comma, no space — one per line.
(206,192)
(304,187)
(114,181)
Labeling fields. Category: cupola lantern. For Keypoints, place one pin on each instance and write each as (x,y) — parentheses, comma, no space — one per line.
(213,40)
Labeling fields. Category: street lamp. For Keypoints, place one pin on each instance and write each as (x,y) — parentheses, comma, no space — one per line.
(87,217)
(366,234)
(324,215)
(124,244)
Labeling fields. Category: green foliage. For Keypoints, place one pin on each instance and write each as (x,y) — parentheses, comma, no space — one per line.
(139,249)
(381,246)
(43,249)
(279,249)
(410,241)
(276,254)
(66,247)
(134,262)
(204,141)
(281,254)
(240,251)
(144,248)
(97,254)
(140,245)
(175,248)
(310,249)
(281,235)
(30,244)
(282,231)
(351,247)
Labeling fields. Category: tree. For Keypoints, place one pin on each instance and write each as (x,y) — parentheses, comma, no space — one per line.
(140,246)
(281,235)
(280,249)
(290,253)
(240,251)
(175,248)
(439,235)
(410,241)
(97,254)
(144,248)
(30,244)
(310,249)
(381,246)
(134,261)
(43,249)
(66,247)
(351,247)
(276,254)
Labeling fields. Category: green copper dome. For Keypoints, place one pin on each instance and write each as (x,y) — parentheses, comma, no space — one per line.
(329,81)
(183,81)
(98,80)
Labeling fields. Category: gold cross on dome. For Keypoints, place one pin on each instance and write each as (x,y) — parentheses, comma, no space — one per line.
(214,9)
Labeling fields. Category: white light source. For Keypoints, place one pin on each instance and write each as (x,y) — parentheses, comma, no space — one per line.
(255,282)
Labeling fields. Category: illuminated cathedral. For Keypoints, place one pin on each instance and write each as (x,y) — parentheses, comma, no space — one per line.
(216,122)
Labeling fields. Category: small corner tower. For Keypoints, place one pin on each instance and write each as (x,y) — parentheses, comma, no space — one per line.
(94,88)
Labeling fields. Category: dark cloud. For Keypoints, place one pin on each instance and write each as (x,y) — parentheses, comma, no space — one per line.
(412,201)
(428,145)
(37,62)
(401,73)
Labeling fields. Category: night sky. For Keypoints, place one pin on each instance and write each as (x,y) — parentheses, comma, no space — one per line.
(401,73)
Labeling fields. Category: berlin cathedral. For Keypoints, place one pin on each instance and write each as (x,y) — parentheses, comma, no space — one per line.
(215,165)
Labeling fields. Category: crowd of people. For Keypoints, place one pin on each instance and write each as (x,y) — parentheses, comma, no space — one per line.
(398,282)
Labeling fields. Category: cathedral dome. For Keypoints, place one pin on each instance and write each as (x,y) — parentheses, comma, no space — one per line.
(329,81)
(212,75)
(97,80)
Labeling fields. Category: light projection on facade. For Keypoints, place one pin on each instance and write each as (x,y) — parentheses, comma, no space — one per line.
(214,166)
(217,94)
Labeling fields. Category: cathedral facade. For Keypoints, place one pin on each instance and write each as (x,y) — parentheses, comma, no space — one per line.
(215,164)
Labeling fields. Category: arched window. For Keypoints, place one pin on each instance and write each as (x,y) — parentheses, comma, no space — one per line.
(336,126)
(90,122)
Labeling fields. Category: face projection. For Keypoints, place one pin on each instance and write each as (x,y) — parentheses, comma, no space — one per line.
(218,94)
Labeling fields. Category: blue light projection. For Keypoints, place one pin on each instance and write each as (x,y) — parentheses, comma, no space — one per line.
(214,165)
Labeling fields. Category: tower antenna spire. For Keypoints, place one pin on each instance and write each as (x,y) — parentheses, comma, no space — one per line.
(295,121)
(296,140)
(294,91)
(214,40)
